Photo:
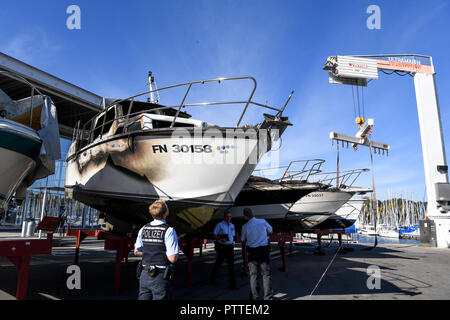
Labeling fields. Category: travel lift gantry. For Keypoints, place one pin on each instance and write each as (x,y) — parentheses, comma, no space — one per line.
(356,70)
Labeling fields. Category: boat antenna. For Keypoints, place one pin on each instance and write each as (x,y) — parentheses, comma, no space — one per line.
(151,83)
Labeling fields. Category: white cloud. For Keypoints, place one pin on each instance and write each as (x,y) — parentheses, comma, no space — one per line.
(32,48)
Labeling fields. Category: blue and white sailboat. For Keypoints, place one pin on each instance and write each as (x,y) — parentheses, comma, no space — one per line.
(20,147)
(29,143)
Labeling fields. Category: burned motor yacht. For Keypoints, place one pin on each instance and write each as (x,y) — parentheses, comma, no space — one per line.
(134,152)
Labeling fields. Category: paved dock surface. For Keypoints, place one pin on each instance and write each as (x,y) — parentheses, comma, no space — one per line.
(406,272)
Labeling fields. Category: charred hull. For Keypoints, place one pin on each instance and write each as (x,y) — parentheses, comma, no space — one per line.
(123,175)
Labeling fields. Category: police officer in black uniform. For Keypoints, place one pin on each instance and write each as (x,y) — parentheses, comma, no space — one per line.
(157,243)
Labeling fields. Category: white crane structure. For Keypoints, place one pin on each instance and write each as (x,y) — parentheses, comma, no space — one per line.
(357,70)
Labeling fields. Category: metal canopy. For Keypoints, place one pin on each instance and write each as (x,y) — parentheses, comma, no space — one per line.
(72,103)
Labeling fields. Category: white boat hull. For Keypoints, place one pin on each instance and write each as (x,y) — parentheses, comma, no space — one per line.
(387,233)
(318,206)
(271,201)
(346,215)
(264,211)
(19,149)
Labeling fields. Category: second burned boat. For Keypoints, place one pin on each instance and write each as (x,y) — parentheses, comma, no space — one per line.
(319,206)
(298,201)
(135,152)
(272,199)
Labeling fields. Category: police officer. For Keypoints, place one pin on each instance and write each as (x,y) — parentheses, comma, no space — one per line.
(157,243)
(254,234)
(224,233)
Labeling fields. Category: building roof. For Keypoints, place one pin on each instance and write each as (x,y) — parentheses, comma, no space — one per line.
(72,102)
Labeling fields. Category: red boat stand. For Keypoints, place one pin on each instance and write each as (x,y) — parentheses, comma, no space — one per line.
(19,252)
(81,234)
(122,244)
(321,233)
(282,238)
(188,246)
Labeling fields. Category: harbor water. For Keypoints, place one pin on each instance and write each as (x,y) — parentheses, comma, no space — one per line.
(382,240)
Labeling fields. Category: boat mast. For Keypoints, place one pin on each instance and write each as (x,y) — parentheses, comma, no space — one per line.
(151,83)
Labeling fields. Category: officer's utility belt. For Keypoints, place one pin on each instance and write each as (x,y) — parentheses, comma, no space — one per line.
(153,271)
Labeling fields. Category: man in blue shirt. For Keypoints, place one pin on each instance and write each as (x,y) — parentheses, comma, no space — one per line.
(254,235)
(157,243)
(224,233)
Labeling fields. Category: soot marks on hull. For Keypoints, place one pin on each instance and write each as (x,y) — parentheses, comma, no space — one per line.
(126,154)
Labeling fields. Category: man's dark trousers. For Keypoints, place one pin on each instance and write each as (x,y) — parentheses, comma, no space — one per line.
(224,252)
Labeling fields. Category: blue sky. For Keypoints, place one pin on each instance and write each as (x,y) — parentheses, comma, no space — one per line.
(283,44)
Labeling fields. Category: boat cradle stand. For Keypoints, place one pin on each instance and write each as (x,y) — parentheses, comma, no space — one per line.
(123,245)
(120,243)
(187,246)
(19,252)
(321,233)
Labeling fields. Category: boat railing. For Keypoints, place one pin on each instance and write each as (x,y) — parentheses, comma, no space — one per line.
(86,132)
(342,179)
(299,170)
(32,94)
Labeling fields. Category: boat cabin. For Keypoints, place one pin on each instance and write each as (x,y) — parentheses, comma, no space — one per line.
(117,119)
